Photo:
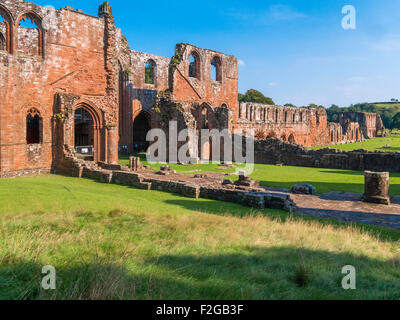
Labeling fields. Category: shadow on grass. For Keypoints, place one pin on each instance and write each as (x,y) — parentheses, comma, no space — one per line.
(322,187)
(347,172)
(255,273)
(379,232)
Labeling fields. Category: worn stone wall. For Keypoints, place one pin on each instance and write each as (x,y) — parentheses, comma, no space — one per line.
(370,124)
(306,126)
(275,151)
(70,53)
(136,96)
(200,88)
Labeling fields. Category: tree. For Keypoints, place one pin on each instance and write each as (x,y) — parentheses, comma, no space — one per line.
(395,122)
(256,97)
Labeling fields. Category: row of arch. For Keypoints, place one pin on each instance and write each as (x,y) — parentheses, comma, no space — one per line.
(266,114)
(16,34)
(284,137)
(195,67)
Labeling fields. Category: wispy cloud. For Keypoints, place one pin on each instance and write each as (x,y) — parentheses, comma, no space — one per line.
(273,13)
(283,12)
(356,79)
(388,43)
(273,84)
(241,63)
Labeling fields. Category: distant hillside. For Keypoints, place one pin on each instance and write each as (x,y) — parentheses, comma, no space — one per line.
(387,111)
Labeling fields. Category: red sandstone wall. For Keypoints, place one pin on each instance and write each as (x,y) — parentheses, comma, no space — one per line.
(73,62)
(292,124)
(135,95)
(202,89)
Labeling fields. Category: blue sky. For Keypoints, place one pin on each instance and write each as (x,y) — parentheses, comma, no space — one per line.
(294,51)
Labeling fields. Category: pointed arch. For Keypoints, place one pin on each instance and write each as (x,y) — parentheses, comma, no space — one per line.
(37,35)
(9,32)
(97,127)
(194,65)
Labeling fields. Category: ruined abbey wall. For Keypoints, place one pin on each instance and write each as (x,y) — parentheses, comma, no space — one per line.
(73,61)
(69,54)
(307,126)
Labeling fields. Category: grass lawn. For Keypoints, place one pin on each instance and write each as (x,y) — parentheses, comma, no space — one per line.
(325,180)
(389,143)
(116,242)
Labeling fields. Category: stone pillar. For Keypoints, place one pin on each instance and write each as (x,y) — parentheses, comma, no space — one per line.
(112,145)
(135,164)
(377,187)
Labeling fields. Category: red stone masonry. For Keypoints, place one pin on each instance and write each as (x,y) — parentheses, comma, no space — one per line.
(73,60)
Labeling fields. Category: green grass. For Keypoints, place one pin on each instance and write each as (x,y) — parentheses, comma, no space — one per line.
(325,180)
(116,242)
(389,143)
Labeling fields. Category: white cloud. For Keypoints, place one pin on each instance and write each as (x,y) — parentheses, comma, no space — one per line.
(388,43)
(241,63)
(282,12)
(356,79)
(273,13)
(273,84)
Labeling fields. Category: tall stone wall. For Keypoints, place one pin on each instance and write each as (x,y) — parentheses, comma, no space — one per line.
(370,124)
(69,53)
(306,126)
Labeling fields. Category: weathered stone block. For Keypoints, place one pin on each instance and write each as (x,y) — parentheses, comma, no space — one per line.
(377,187)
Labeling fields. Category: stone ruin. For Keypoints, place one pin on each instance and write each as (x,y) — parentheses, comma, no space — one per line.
(377,187)
(74,83)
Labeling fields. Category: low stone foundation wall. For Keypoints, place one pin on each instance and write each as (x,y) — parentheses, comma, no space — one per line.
(275,151)
(27,172)
(258,200)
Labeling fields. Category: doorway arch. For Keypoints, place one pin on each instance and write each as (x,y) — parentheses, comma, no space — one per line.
(88,131)
(141,126)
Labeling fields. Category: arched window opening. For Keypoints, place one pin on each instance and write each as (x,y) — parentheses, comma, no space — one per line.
(276,115)
(194,66)
(286,116)
(292,139)
(29,35)
(283,137)
(141,127)
(5,30)
(294,117)
(271,135)
(84,132)
(150,72)
(301,117)
(204,119)
(3,44)
(216,72)
(34,127)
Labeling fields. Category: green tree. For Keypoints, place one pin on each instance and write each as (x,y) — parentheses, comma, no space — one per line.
(395,122)
(256,97)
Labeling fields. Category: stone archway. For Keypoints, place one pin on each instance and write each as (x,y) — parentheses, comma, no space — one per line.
(271,135)
(88,128)
(141,126)
(206,120)
(291,138)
